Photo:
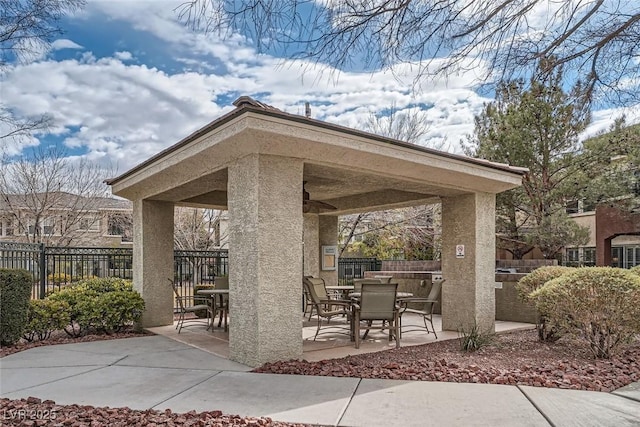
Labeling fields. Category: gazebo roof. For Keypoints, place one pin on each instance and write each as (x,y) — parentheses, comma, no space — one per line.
(348,168)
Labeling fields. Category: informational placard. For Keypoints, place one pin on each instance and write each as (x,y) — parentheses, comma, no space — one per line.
(459,251)
(329,258)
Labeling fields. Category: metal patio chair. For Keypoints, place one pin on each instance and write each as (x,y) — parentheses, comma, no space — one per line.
(425,308)
(377,303)
(222,303)
(190,305)
(325,307)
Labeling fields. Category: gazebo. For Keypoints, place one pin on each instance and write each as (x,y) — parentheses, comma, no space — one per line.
(258,162)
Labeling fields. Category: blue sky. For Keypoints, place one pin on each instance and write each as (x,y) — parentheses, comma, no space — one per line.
(126,80)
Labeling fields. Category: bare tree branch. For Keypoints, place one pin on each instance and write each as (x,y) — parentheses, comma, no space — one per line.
(599,40)
(51,198)
(27,27)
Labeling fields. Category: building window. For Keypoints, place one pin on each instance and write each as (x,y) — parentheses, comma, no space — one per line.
(589,257)
(572,207)
(573,257)
(7,227)
(89,224)
(115,228)
(120,224)
(588,206)
(632,257)
(616,256)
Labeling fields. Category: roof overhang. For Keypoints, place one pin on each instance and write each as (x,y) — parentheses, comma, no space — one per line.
(352,170)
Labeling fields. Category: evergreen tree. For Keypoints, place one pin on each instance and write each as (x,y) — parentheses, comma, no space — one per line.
(535,126)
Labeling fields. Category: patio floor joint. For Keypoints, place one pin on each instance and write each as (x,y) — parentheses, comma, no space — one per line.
(184,390)
(551,423)
(346,405)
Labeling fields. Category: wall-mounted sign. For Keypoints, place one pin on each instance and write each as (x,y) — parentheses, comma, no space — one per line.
(329,258)
(459,251)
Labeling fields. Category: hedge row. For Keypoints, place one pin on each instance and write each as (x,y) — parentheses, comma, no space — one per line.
(598,304)
(15,292)
(97,305)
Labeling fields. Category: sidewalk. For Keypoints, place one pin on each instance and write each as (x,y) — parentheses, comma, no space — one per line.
(159,373)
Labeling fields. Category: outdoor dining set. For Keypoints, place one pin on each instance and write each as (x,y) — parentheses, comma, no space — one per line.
(368,301)
(368,304)
(204,304)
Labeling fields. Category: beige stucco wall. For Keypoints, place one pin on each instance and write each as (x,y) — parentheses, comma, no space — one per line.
(265,259)
(153,260)
(588,220)
(311,240)
(328,236)
(468,296)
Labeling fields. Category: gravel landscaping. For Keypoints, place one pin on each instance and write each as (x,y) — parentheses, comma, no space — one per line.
(510,358)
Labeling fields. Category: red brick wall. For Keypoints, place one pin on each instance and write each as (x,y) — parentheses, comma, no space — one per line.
(612,222)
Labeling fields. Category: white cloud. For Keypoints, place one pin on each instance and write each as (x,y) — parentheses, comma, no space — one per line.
(123,55)
(123,113)
(602,120)
(65,44)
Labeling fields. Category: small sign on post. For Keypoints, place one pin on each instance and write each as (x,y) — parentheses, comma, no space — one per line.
(459,251)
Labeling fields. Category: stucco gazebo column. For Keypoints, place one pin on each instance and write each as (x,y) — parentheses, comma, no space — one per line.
(153,260)
(265,258)
(311,245)
(468,295)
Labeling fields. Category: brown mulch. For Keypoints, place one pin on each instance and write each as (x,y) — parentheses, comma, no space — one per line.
(515,358)
(35,412)
(510,358)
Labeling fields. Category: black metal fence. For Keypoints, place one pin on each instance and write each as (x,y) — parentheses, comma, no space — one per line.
(55,267)
(354,268)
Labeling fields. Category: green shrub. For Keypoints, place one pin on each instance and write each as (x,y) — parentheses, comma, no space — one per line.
(533,281)
(601,304)
(44,317)
(100,304)
(15,292)
(473,339)
(83,278)
(635,269)
(58,278)
(537,279)
(201,299)
(81,302)
(117,310)
(106,284)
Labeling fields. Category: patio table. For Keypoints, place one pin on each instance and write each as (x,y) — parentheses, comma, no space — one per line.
(399,295)
(342,289)
(213,293)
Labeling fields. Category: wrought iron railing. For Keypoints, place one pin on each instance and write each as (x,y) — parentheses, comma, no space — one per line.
(354,268)
(55,267)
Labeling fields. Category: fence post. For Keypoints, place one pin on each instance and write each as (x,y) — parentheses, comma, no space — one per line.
(43,271)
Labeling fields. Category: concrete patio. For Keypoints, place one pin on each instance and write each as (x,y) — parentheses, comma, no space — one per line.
(156,372)
(329,345)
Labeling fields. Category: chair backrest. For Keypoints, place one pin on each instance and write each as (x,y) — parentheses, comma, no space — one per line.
(378,301)
(434,293)
(178,298)
(221,282)
(357,283)
(315,288)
